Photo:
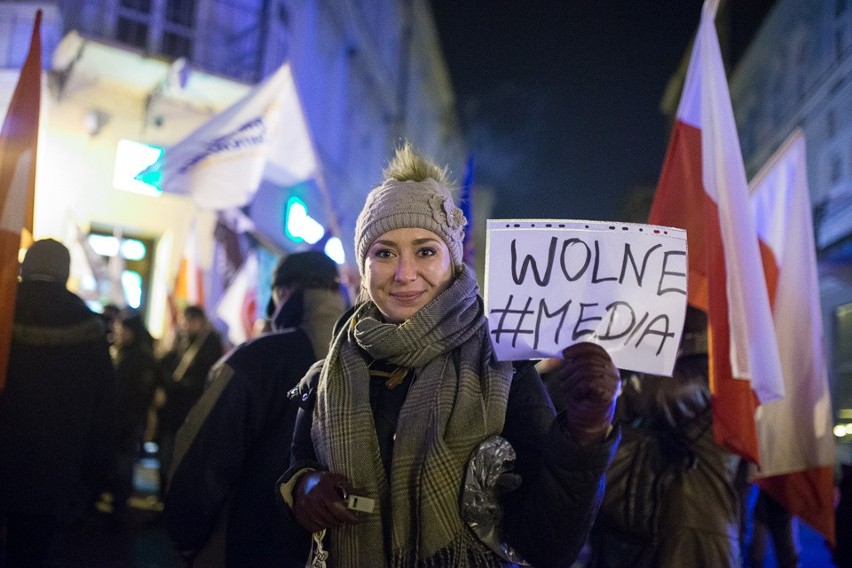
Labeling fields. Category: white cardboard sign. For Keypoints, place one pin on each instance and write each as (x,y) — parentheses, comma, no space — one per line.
(552,283)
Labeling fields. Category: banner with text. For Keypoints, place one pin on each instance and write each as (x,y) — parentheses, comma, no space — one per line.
(552,283)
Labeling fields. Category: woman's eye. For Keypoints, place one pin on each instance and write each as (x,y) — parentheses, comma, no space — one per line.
(382,253)
(427,251)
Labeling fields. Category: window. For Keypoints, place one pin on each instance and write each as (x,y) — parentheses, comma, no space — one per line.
(132,32)
(177,34)
(836,169)
(176,45)
(160,27)
(133,254)
(181,12)
(137,5)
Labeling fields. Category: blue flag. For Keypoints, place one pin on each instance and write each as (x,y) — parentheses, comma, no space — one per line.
(466,205)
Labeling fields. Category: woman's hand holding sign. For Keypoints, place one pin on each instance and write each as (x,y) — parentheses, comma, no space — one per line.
(585,390)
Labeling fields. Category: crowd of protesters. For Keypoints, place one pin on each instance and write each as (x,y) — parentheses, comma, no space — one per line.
(391,402)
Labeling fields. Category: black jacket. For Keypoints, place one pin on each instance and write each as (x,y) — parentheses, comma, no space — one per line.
(182,394)
(57,411)
(137,375)
(549,517)
(221,504)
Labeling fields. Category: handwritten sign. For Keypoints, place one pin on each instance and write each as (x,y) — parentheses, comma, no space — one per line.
(550,284)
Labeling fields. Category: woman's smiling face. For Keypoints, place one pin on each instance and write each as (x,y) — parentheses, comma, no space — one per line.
(405,269)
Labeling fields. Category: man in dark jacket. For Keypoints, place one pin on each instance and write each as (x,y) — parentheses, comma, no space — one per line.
(220,509)
(56,413)
(185,368)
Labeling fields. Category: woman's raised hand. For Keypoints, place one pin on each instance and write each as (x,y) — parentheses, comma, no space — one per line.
(586,387)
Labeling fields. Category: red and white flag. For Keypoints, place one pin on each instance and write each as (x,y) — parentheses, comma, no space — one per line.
(189,282)
(18,145)
(703,189)
(238,305)
(795,433)
(189,285)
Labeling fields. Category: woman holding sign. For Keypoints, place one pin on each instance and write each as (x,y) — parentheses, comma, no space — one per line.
(411,389)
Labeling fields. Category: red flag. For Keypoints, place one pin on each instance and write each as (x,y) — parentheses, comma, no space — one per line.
(18,144)
(703,189)
(795,433)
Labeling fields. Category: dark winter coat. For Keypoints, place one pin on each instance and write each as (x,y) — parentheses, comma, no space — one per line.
(57,410)
(548,518)
(221,504)
(182,394)
(683,504)
(136,373)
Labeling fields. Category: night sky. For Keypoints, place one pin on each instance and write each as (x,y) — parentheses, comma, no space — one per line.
(559,100)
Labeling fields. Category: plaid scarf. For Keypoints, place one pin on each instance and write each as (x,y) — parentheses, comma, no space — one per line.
(457,400)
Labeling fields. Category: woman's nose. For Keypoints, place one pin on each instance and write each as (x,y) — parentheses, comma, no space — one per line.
(406,270)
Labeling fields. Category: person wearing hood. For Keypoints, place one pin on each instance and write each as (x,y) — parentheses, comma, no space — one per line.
(220,509)
(56,412)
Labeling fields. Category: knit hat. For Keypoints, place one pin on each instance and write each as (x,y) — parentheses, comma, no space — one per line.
(425,204)
(48,260)
(310,269)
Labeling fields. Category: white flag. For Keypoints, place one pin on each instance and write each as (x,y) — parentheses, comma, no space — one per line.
(222,163)
(238,306)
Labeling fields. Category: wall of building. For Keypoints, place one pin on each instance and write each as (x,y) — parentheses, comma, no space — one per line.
(369,74)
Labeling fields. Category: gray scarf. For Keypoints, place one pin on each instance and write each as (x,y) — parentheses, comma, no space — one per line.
(457,400)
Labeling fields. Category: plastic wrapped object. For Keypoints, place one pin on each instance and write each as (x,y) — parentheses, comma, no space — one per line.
(489,475)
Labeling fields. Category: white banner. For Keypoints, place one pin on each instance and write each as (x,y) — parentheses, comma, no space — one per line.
(222,162)
(552,283)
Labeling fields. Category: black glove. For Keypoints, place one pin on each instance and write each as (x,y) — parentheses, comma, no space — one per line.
(585,390)
(506,483)
(319,501)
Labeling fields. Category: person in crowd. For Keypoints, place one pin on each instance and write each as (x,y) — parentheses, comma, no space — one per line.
(842,553)
(56,411)
(185,367)
(671,498)
(773,523)
(411,388)
(136,372)
(109,314)
(220,508)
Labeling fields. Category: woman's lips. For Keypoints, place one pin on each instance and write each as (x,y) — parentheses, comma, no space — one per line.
(406,296)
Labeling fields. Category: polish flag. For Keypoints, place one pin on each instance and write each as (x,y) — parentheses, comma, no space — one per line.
(189,286)
(703,189)
(18,144)
(189,283)
(238,305)
(795,433)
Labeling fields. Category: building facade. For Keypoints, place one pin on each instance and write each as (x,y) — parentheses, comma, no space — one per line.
(369,74)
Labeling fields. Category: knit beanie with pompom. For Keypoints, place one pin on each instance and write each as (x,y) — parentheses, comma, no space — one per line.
(425,204)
